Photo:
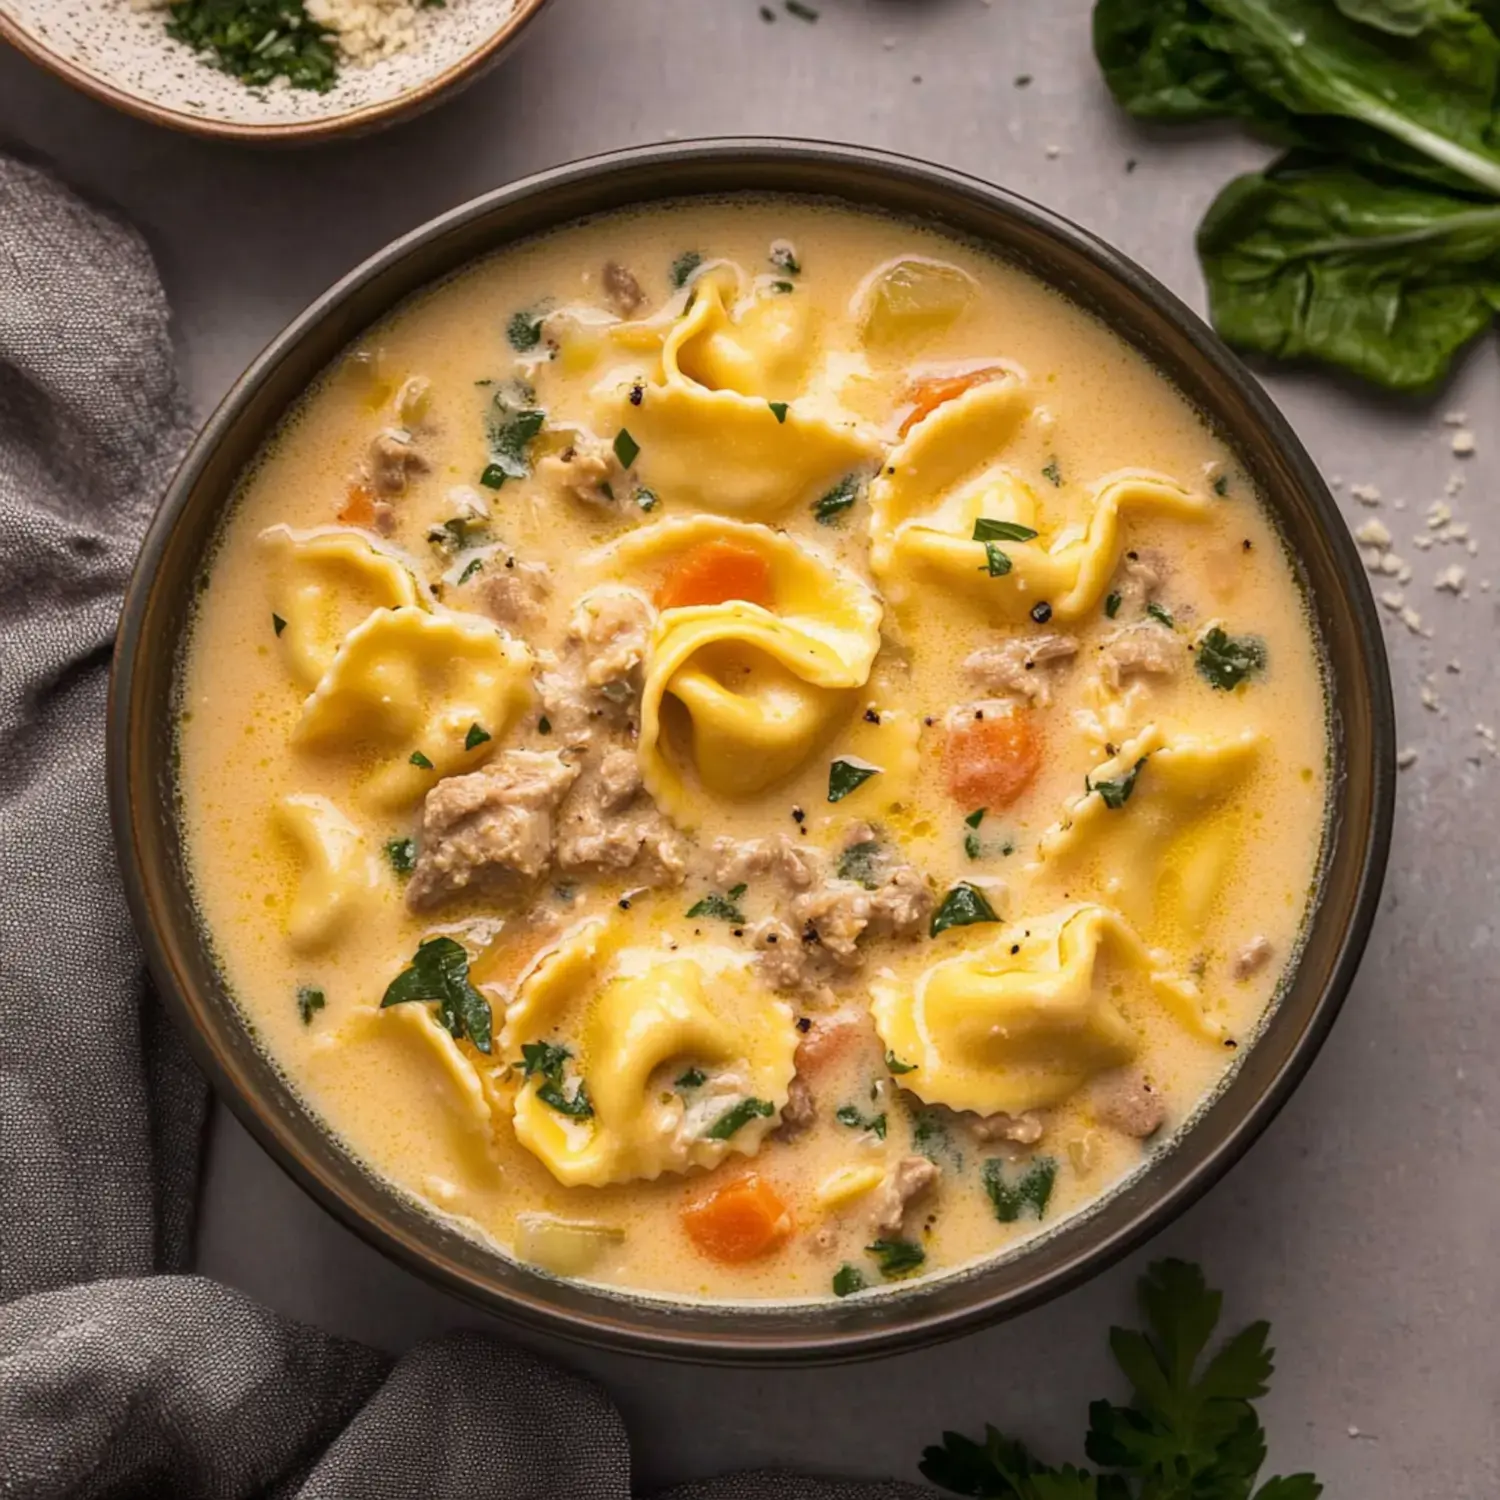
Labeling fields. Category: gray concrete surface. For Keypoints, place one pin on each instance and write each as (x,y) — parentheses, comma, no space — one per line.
(1366,1223)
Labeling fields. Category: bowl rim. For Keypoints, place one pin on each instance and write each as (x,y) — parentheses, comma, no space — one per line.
(366,118)
(609,1327)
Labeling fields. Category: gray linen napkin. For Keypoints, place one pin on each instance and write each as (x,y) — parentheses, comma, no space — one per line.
(117,1378)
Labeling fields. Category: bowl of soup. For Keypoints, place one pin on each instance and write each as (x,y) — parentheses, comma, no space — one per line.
(751,751)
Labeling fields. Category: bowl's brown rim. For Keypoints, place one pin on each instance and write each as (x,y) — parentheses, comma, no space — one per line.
(368,117)
(609,1324)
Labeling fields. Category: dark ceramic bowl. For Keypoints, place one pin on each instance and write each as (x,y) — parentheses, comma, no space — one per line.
(149,835)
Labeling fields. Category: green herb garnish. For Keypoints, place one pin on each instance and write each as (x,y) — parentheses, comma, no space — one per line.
(524,331)
(476,737)
(848,1114)
(1031,1192)
(458,532)
(996,563)
(971,838)
(778,410)
(511,431)
(309,1002)
(258,41)
(1052,473)
(784,258)
(627,450)
(277,624)
(723,908)
(1225,661)
(782,287)
(1221,485)
(848,1280)
(1116,793)
(439,971)
(860,863)
(1112,605)
(896,1066)
(831,506)
(416,758)
(402,854)
(473,566)
(986,530)
(683,267)
(737,1117)
(1161,614)
(694,1078)
(845,775)
(963,906)
(897,1258)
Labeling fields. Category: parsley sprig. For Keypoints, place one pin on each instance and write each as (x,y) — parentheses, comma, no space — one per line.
(1186,1434)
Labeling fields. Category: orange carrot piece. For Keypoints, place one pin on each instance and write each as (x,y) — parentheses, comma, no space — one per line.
(990,761)
(358,508)
(715,572)
(741,1220)
(931,394)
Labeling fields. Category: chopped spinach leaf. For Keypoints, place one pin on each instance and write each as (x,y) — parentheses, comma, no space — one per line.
(845,775)
(860,863)
(848,1280)
(547,1060)
(996,563)
(309,1002)
(1161,614)
(973,845)
(1116,793)
(277,624)
(831,506)
(524,331)
(976,817)
(1052,473)
(578,1107)
(402,854)
(1221,485)
(492,476)
(963,906)
(473,566)
(736,891)
(1225,661)
(986,530)
(457,533)
(782,287)
(439,971)
(778,410)
(720,907)
(896,1258)
(737,1117)
(1030,1192)
(895,1064)
(1112,605)
(646,499)
(416,758)
(929,1135)
(683,267)
(848,1114)
(511,431)
(694,1078)
(476,737)
(627,450)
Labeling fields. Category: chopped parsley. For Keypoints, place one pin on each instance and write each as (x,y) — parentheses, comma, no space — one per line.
(646,499)
(473,566)
(1112,605)
(627,450)
(1225,661)
(439,971)
(458,532)
(546,1060)
(402,854)
(986,530)
(859,863)
(524,331)
(475,737)
(929,1135)
(848,1114)
(724,908)
(1052,473)
(738,1116)
(1031,1192)
(971,838)
(848,1280)
(1161,614)
(963,906)
(511,431)
(683,267)
(831,506)
(1116,794)
(309,1002)
(778,410)
(996,563)
(416,758)
(896,1066)
(277,624)
(845,776)
(694,1078)
(896,1258)
(258,41)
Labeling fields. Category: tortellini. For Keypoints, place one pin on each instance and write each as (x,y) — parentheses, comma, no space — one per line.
(336,871)
(408,683)
(746,691)
(730,427)
(681,1056)
(1162,854)
(943,479)
(324,583)
(1026,1020)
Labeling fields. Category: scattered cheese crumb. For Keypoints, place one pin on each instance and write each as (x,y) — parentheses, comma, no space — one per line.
(1366,494)
(1455,419)
(1455,667)
(1454,485)
(1390,564)
(1422,542)
(1413,621)
(1450,580)
(1463,443)
(1439,514)
(1430,700)
(1393,599)
(1053,152)
(1403,573)
(1374,533)
(1404,760)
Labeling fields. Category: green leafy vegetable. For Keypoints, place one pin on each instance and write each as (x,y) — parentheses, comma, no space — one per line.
(1190,1431)
(439,972)
(511,431)
(1161,614)
(972,846)
(737,1117)
(627,450)
(721,907)
(473,566)
(996,563)
(897,1258)
(402,854)
(831,506)
(476,737)
(524,331)
(277,624)
(986,530)
(694,1078)
(258,41)
(930,1137)
(309,1002)
(861,863)
(784,257)
(459,532)
(1221,485)
(778,410)
(963,906)
(1112,605)
(1031,1192)
(416,758)
(1051,473)
(896,1066)
(683,267)
(847,1280)
(1115,794)
(848,1114)
(1225,661)
(547,1061)
(845,775)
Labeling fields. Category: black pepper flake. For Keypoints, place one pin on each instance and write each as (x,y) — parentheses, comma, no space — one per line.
(638,392)
(1041,611)
(510,562)
(804,1023)
(1230,1042)
(1246,544)
(798,816)
(1109,748)
(736,932)
(872,716)
(978,713)
(771,937)
(810,934)
(1023,80)
(927,720)
(1133,556)
(1015,948)
(624,903)
(891,469)
(1131,164)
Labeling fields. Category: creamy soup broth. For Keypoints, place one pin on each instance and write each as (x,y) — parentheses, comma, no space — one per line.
(841,508)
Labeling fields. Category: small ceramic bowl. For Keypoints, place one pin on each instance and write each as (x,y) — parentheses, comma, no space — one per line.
(124,56)
(1362,753)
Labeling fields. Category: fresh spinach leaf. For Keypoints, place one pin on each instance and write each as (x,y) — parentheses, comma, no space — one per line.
(861,863)
(416,758)
(402,854)
(722,908)
(1161,614)
(511,431)
(476,737)
(277,624)
(627,450)
(738,1116)
(1224,661)
(439,971)
(778,410)
(577,1106)
(683,267)
(831,506)
(896,1258)
(845,776)
(310,1000)
(963,906)
(1031,1192)
(987,530)
(847,1280)
(524,331)
(896,1066)
(694,1078)
(996,563)
(1115,794)
(547,1061)
(848,1114)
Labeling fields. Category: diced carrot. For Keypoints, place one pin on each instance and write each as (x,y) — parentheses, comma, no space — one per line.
(358,508)
(931,394)
(715,572)
(742,1220)
(990,760)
